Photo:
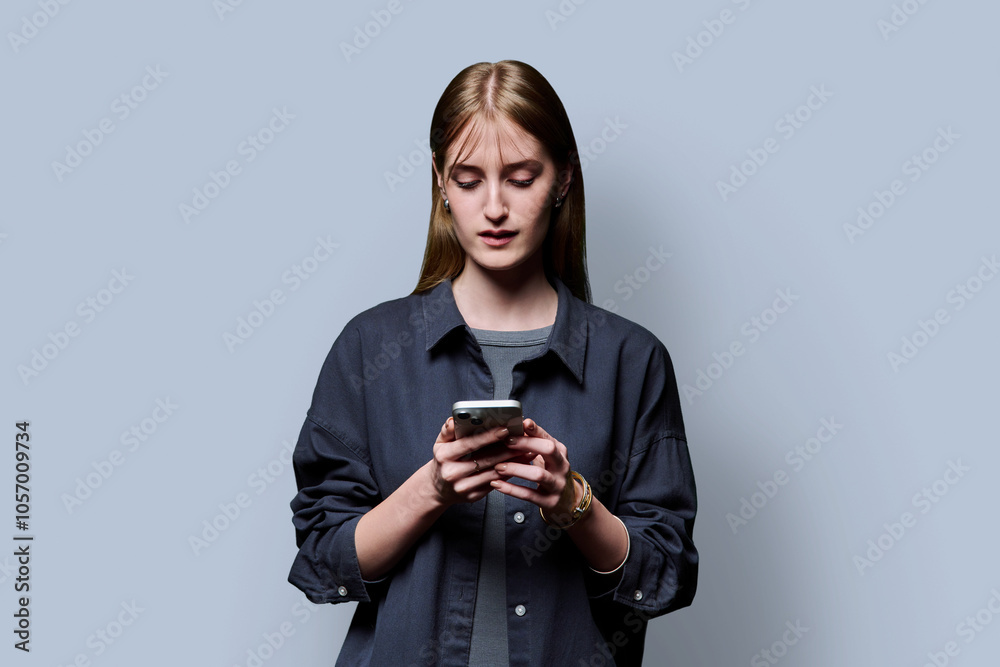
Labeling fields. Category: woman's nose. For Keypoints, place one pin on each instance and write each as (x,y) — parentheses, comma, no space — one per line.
(496,208)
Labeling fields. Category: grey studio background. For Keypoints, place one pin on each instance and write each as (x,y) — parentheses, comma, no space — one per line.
(796,197)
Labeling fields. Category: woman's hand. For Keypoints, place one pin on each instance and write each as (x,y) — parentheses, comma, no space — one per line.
(601,537)
(455,480)
(556,493)
(385,533)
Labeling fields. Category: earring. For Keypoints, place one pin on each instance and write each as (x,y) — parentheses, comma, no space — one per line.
(446,206)
(559,201)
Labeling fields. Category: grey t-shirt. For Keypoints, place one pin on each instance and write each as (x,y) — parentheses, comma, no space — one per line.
(502,350)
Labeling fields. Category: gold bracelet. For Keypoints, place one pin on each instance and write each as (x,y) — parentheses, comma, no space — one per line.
(580,509)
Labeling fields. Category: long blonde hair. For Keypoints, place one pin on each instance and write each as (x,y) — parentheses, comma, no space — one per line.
(514,91)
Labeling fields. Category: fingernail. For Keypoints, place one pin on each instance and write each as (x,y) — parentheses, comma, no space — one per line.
(501,467)
(503,433)
(495,484)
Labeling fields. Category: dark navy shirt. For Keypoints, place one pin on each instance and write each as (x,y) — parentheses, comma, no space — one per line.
(602,385)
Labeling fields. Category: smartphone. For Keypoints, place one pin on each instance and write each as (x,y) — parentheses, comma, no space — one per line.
(478,416)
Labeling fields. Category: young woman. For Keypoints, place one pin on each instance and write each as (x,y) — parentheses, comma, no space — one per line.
(552,548)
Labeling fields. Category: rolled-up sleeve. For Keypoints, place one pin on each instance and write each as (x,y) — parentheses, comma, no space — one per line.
(336,486)
(658,500)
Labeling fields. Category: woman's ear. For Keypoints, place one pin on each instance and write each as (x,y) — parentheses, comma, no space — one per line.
(437,175)
(567,180)
(563,181)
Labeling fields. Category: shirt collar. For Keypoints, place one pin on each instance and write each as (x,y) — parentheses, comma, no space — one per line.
(567,339)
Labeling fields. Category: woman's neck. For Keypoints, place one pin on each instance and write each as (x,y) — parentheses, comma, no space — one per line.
(505,301)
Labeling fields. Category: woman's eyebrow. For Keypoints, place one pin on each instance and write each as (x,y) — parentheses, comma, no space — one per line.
(514,166)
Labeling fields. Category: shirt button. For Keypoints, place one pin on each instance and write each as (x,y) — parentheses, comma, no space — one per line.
(637,596)
(520,610)
(519,517)
(342,590)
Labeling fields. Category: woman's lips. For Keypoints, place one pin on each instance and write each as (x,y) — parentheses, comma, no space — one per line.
(496,239)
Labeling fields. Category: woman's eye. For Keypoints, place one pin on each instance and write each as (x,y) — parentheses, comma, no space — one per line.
(467,185)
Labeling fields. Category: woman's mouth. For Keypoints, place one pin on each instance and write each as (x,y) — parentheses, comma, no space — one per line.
(497,238)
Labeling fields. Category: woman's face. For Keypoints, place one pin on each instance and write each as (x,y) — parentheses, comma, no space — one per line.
(501,207)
